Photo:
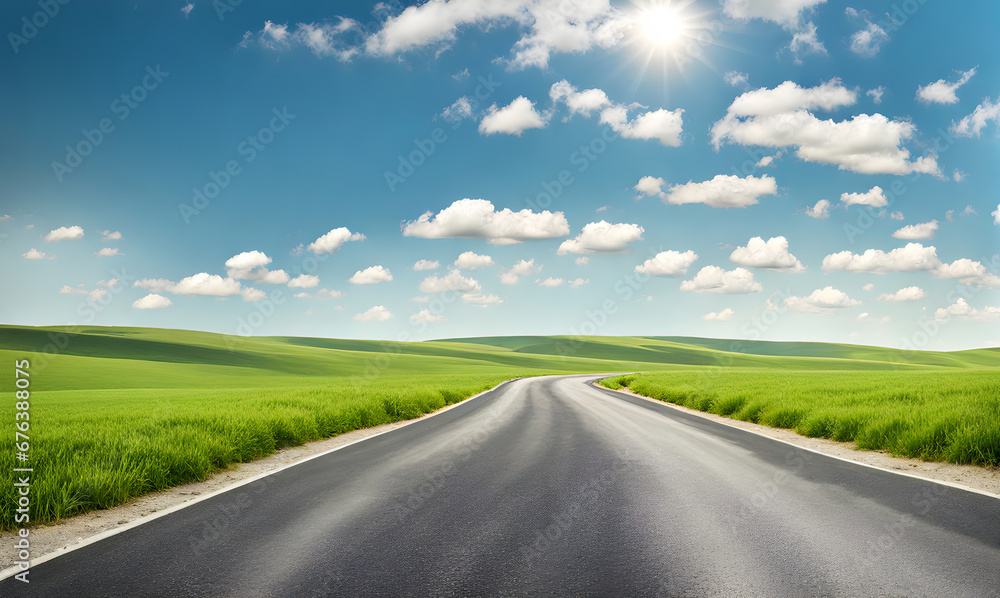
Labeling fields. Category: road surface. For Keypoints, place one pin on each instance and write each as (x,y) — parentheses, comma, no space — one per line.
(550,487)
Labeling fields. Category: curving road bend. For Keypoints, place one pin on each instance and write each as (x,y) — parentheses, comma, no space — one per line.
(549,486)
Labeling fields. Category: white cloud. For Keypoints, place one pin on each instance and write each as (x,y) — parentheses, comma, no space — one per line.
(203,283)
(376,314)
(577,283)
(806,41)
(453,281)
(767,160)
(152,301)
(602,237)
(924,230)
(187,8)
(962,309)
(304,281)
(737,79)
(34,254)
(968,272)
(973,124)
(780,117)
(478,219)
(155,285)
(876,94)
(110,235)
(460,109)
(914,257)
(723,191)
(601,209)
(663,125)
(584,260)
(668,263)
(425,315)
(68,290)
(820,210)
(470,261)
(771,254)
(108,252)
(649,186)
(252,294)
(332,241)
(868,287)
(868,41)
(321,294)
(897,215)
(6,218)
(323,39)
(719,316)
(481,299)
(866,317)
(874,197)
(107,283)
(907,294)
(550,282)
(371,275)
(513,119)
(584,102)
(426,265)
(943,92)
(995,213)
(821,301)
(713,279)
(64,233)
(783,12)
(521,268)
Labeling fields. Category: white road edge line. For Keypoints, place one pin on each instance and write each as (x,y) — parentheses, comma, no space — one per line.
(805,448)
(11,571)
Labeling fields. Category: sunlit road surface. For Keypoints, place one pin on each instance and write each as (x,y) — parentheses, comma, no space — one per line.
(551,487)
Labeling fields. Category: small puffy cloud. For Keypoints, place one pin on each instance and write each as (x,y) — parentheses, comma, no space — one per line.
(187,8)
(251,294)
(578,282)
(333,240)
(453,281)
(68,290)
(663,125)
(667,263)
(719,316)
(478,219)
(821,301)
(108,252)
(723,191)
(425,315)
(806,41)
(304,281)
(601,209)
(820,210)
(320,294)
(771,254)
(973,124)
(64,233)
(323,39)
(203,283)
(154,285)
(111,235)
(783,12)
(868,287)
(513,119)
(767,160)
(471,261)
(868,41)
(790,97)
(426,265)
(924,230)
(897,215)
(602,237)
(649,186)
(108,283)
(34,254)
(963,310)
(376,314)
(250,265)
(477,298)
(550,282)
(713,279)
(968,272)
(912,258)
(995,213)
(907,294)
(460,109)
(876,94)
(943,92)
(874,197)
(737,79)
(371,275)
(584,260)
(866,317)
(152,301)
(584,102)
(521,268)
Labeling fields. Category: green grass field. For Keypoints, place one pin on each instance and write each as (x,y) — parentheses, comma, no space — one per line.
(119,412)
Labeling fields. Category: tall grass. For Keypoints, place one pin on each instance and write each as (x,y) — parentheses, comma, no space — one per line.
(951,416)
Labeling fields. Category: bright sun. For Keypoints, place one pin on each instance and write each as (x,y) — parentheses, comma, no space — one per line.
(661,25)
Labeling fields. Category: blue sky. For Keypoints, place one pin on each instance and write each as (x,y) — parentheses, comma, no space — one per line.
(648,168)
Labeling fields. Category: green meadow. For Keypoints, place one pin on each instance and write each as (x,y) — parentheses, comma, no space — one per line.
(119,412)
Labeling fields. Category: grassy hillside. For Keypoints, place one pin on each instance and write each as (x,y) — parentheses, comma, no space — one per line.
(118,412)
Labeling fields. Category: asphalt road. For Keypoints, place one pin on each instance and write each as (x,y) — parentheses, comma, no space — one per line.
(550,487)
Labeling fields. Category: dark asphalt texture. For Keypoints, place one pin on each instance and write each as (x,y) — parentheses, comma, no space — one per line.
(551,487)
